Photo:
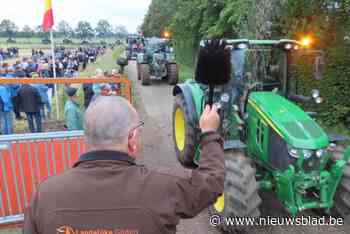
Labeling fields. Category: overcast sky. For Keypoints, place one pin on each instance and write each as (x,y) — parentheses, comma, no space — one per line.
(129,13)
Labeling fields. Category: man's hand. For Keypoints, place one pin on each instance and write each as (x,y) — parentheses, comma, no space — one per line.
(210,119)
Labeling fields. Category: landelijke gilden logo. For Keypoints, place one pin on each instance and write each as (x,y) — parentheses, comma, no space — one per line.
(71,230)
(65,230)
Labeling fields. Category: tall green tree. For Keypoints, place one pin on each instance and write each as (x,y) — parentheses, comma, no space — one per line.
(27,31)
(8,28)
(104,28)
(64,29)
(84,30)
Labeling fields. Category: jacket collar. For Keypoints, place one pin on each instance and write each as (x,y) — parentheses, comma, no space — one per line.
(105,155)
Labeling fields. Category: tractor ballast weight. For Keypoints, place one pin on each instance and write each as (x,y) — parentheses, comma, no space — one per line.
(157,62)
(270,142)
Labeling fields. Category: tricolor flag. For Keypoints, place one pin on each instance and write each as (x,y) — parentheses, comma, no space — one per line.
(48,16)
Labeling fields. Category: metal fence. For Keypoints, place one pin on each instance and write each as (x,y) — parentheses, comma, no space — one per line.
(28,159)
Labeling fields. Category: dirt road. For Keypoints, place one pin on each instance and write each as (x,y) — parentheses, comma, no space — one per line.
(155,104)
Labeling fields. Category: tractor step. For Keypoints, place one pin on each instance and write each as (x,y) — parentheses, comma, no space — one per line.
(234,144)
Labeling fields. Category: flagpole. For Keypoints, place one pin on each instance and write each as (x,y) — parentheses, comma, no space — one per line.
(54,73)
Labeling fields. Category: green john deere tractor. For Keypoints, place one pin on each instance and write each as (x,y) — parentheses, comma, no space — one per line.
(270,142)
(157,62)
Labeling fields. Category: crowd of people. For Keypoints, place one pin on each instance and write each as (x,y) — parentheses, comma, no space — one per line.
(11,52)
(35,100)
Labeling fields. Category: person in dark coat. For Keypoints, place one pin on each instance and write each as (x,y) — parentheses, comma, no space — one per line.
(107,192)
(31,103)
(88,94)
(19,73)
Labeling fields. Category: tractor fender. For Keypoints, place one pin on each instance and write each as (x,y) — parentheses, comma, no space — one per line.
(193,95)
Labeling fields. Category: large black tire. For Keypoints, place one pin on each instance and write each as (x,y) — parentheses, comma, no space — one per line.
(342,197)
(185,141)
(144,74)
(173,74)
(241,198)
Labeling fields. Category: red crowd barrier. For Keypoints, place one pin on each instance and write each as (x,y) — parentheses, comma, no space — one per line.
(28,159)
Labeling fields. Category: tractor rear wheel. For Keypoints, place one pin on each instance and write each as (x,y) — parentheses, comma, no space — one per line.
(240,198)
(173,74)
(342,197)
(144,74)
(183,133)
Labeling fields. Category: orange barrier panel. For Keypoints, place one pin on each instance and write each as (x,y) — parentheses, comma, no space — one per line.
(28,159)
(118,79)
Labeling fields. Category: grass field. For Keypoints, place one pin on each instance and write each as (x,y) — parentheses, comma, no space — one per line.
(34,42)
(26,45)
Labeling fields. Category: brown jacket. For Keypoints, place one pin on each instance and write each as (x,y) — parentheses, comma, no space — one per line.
(107,193)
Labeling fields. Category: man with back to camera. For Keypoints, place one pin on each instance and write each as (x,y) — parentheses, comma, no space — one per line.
(106,192)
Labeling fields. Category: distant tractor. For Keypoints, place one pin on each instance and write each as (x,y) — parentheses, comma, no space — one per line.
(157,62)
(271,143)
(134,46)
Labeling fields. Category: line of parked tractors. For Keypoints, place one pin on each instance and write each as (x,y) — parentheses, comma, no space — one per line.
(271,143)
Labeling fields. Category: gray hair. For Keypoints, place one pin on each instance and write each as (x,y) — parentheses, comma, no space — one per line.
(108,121)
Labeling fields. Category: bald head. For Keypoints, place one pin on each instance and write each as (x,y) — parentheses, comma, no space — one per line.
(108,121)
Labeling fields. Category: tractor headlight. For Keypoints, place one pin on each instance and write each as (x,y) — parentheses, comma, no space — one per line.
(225,97)
(319,100)
(320,153)
(242,46)
(315,93)
(295,153)
(288,46)
(307,153)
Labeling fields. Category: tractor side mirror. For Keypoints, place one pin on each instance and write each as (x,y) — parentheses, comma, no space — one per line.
(319,67)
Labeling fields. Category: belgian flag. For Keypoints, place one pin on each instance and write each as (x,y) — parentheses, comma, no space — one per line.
(48,16)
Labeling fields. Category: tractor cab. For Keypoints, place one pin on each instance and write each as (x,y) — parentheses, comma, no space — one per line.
(157,61)
(135,44)
(268,65)
(158,50)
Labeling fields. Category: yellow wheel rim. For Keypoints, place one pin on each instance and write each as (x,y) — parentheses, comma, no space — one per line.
(220,204)
(180,129)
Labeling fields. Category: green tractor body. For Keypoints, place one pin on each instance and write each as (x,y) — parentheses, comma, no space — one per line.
(266,135)
(157,62)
